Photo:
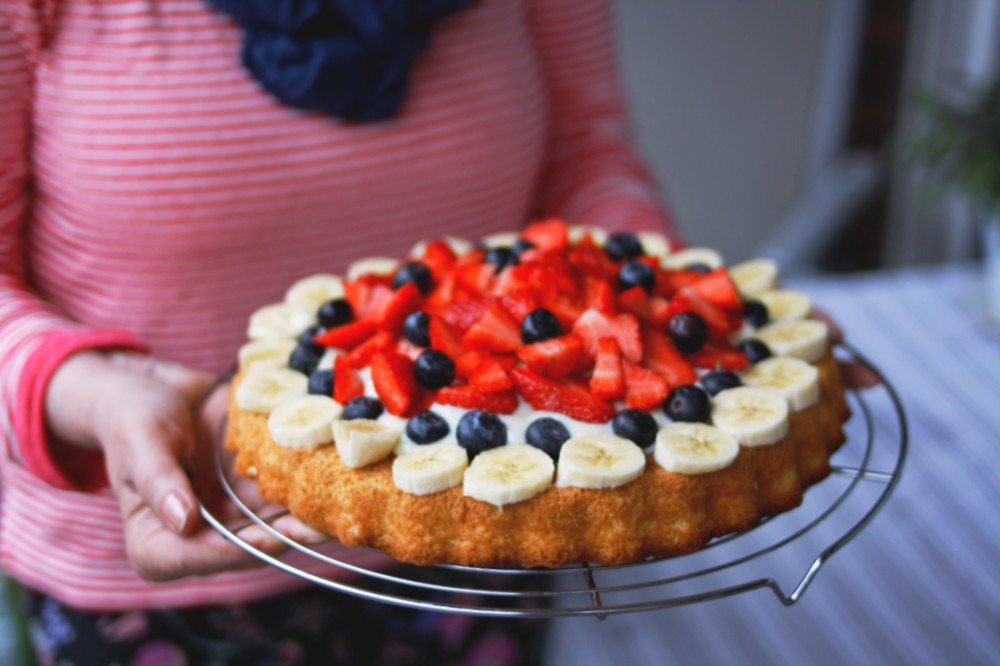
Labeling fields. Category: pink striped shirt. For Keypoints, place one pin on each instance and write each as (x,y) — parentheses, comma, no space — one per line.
(152,196)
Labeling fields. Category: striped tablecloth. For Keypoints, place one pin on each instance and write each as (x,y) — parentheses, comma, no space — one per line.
(920,584)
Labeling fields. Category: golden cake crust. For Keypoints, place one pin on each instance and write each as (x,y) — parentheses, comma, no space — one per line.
(659,514)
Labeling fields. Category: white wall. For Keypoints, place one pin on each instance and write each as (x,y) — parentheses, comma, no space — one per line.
(726,98)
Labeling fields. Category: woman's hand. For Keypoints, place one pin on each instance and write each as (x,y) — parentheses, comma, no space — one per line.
(139,412)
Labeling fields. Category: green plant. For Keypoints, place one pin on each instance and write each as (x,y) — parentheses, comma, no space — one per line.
(957,143)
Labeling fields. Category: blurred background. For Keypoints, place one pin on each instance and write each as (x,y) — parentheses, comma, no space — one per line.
(770,123)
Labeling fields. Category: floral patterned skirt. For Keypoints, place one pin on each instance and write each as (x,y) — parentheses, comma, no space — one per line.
(309,626)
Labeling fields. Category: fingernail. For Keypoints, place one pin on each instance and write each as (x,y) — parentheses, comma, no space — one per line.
(175,512)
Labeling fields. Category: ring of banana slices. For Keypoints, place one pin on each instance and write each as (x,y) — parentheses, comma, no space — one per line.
(603,495)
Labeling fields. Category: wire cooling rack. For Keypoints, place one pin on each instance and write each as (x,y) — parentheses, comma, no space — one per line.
(865,471)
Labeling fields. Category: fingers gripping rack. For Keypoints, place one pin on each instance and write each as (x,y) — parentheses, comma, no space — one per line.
(865,471)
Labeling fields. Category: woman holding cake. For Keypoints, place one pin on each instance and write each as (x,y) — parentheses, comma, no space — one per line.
(168,166)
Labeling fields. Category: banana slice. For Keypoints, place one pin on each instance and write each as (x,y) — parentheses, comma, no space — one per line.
(754,416)
(303,421)
(508,474)
(786,304)
(458,245)
(578,231)
(270,352)
(755,276)
(375,265)
(430,469)
(280,320)
(361,442)
(502,239)
(315,290)
(692,255)
(264,388)
(795,379)
(806,339)
(654,243)
(599,461)
(694,448)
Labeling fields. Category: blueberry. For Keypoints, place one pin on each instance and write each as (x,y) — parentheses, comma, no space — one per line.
(636,273)
(413,271)
(688,403)
(547,434)
(434,369)
(479,431)
(755,313)
(364,407)
(416,328)
(716,381)
(306,336)
(623,245)
(305,358)
(321,382)
(698,267)
(635,425)
(426,427)
(501,257)
(539,325)
(335,313)
(522,244)
(688,331)
(755,350)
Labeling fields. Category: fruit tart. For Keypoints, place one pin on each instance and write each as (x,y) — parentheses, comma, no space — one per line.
(543,397)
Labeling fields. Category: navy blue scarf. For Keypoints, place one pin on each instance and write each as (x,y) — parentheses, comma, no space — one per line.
(349,58)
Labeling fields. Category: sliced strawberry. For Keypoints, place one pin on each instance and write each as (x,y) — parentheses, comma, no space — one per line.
(651,310)
(687,300)
(644,389)
(359,292)
(660,355)
(443,338)
(474,278)
(442,294)
(599,295)
(408,349)
(551,234)
(347,383)
(555,357)
(473,256)
(392,375)
(591,260)
(561,395)
(491,376)
(361,356)
(607,382)
(519,302)
(715,356)
(404,301)
(718,289)
(438,257)
(465,312)
(670,281)
(347,336)
(496,331)
(564,308)
(471,397)
(466,363)
(624,328)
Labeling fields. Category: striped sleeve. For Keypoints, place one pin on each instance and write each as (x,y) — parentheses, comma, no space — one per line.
(594,175)
(34,338)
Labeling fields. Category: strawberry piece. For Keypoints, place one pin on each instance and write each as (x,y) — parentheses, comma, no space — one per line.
(361,356)
(519,302)
(561,395)
(496,331)
(644,389)
(551,234)
(715,356)
(473,256)
(624,328)
(718,289)
(443,338)
(670,281)
(442,294)
(591,260)
(392,375)
(465,312)
(391,314)
(408,349)
(475,278)
(607,382)
(347,383)
(438,257)
(652,310)
(359,293)
(466,363)
(491,376)
(662,357)
(687,300)
(347,336)
(471,397)
(599,295)
(555,357)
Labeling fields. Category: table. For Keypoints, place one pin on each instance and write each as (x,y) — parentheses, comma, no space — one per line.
(921,583)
